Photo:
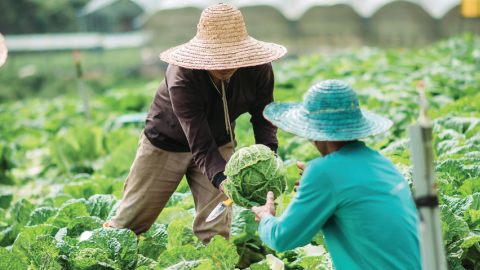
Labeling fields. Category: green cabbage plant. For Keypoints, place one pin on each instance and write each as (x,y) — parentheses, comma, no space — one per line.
(251,173)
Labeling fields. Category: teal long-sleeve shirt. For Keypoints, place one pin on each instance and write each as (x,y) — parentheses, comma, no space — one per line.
(363,206)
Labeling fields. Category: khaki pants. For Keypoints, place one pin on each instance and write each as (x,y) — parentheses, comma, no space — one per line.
(154,176)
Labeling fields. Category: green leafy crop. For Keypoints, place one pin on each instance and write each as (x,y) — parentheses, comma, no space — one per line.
(153,242)
(120,245)
(252,172)
(52,163)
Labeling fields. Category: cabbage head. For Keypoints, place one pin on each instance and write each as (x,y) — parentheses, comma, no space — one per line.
(251,173)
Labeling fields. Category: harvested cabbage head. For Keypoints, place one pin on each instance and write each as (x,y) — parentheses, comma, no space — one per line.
(251,173)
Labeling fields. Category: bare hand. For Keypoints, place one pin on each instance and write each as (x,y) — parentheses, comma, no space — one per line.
(302,167)
(222,189)
(264,210)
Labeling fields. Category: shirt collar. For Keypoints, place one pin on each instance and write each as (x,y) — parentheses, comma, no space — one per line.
(353,145)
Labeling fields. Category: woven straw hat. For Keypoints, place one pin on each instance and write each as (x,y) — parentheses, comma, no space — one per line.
(222,42)
(329,112)
(3,51)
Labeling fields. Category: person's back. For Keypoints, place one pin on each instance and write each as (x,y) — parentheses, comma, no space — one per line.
(356,197)
(374,225)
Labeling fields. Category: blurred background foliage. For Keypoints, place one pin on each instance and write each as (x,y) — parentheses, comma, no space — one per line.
(49,74)
(42,70)
(39,16)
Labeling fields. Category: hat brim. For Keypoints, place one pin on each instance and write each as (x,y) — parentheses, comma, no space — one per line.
(199,55)
(289,117)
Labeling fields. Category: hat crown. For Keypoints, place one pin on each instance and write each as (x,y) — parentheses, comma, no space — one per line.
(222,42)
(221,23)
(329,98)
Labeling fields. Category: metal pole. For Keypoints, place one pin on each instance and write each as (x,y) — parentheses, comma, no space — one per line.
(431,235)
(81,86)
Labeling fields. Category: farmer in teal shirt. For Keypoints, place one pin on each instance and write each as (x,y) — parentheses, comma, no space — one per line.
(354,195)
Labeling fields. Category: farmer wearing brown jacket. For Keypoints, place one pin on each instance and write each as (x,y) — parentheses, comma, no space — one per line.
(211,80)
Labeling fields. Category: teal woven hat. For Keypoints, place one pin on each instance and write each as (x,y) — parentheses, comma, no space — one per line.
(329,112)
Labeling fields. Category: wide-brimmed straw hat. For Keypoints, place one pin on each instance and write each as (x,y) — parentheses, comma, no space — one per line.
(329,112)
(222,42)
(3,51)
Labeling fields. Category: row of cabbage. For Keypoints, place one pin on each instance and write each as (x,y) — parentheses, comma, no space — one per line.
(54,165)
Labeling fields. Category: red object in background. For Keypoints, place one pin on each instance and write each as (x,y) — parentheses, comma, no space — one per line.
(3,51)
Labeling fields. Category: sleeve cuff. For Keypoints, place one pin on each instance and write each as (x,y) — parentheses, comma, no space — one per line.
(265,230)
(272,147)
(218,179)
(264,220)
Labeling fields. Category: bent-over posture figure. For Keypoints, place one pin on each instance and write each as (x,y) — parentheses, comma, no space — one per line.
(219,75)
(355,196)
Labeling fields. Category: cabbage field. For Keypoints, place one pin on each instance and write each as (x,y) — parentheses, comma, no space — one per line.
(61,175)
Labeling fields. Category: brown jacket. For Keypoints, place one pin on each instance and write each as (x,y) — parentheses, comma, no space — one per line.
(187,115)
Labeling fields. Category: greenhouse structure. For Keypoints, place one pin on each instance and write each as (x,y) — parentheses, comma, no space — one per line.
(301,25)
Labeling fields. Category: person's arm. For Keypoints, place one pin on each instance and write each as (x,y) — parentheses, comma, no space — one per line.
(264,131)
(188,105)
(311,207)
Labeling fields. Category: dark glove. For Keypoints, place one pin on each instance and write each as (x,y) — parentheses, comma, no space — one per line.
(272,147)
(218,179)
